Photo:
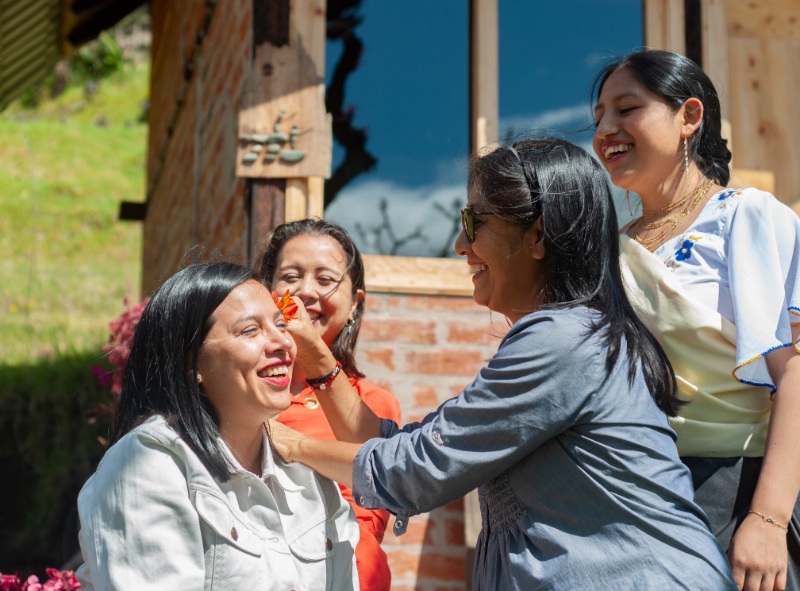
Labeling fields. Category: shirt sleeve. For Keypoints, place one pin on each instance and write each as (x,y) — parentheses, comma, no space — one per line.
(139,528)
(763,247)
(528,393)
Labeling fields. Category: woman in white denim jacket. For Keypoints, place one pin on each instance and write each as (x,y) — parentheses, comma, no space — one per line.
(191,495)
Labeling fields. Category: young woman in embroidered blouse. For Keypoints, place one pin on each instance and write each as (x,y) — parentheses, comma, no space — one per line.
(318,262)
(713,272)
(565,430)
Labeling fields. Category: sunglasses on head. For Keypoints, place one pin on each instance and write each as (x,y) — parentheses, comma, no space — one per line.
(468,221)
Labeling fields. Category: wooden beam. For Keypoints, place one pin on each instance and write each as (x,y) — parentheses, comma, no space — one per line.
(715,49)
(664,25)
(284,129)
(419,275)
(266,201)
(484,50)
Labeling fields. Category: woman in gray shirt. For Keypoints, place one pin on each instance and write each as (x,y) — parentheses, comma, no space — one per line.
(565,431)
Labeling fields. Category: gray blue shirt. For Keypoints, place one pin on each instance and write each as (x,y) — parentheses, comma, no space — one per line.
(580,482)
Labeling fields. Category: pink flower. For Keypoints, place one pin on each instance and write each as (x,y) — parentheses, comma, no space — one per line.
(13,583)
(64,580)
(118,347)
(10,583)
(102,375)
(59,581)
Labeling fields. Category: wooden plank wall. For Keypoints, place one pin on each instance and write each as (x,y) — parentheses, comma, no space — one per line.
(763,41)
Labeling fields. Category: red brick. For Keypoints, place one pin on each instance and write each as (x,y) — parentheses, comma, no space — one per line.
(453,532)
(425,396)
(384,357)
(448,362)
(457,505)
(403,564)
(444,303)
(460,331)
(380,302)
(378,329)
(437,566)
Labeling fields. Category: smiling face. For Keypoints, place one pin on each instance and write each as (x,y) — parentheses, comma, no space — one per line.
(638,135)
(246,358)
(506,262)
(314,268)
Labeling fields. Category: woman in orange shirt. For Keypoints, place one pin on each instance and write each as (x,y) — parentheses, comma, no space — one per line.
(318,262)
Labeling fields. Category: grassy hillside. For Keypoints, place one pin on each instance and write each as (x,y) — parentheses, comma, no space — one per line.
(67,262)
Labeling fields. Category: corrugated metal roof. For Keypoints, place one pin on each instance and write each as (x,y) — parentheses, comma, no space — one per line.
(35,34)
(29,44)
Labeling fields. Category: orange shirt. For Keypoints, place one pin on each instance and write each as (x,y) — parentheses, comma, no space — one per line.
(306,415)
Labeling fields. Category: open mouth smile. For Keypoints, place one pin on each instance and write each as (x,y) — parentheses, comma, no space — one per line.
(611,151)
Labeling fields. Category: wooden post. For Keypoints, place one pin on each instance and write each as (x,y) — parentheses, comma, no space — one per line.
(484,41)
(266,209)
(664,26)
(483,73)
(284,130)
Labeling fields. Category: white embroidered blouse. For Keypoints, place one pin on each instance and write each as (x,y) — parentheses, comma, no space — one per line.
(741,257)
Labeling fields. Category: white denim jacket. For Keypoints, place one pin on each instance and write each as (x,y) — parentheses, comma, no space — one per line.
(153,517)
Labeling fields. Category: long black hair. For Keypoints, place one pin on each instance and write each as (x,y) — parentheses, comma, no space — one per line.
(559,183)
(161,373)
(344,345)
(676,78)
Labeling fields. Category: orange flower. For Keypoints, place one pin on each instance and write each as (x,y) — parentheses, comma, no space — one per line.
(286,305)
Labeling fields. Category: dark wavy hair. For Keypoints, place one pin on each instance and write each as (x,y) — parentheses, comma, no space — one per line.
(344,345)
(161,374)
(560,183)
(676,78)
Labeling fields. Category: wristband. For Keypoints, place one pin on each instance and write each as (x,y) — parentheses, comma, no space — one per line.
(326,380)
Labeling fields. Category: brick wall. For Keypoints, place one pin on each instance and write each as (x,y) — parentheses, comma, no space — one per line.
(201,58)
(425,349)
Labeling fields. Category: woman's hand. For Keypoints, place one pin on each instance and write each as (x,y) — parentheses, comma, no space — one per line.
(312,352)
(332,459)
(284,440)
(758,556)
(301,327)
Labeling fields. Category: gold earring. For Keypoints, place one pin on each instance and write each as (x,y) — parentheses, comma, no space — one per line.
(628,201)
(686,162)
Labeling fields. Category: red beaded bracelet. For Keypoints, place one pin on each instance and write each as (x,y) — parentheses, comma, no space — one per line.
(326,380)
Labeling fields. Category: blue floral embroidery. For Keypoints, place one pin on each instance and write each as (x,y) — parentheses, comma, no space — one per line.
(685,251)
(723,200)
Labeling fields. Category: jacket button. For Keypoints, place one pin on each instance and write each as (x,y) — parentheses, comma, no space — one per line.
(361,500)
(328,544)
(234,534)
(398,524)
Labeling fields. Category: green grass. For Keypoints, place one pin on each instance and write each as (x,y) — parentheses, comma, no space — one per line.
(66,266)
(67,262)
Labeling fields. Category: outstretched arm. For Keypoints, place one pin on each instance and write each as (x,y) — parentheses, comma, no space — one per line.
(758,551)
(349,417)
(332,459)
